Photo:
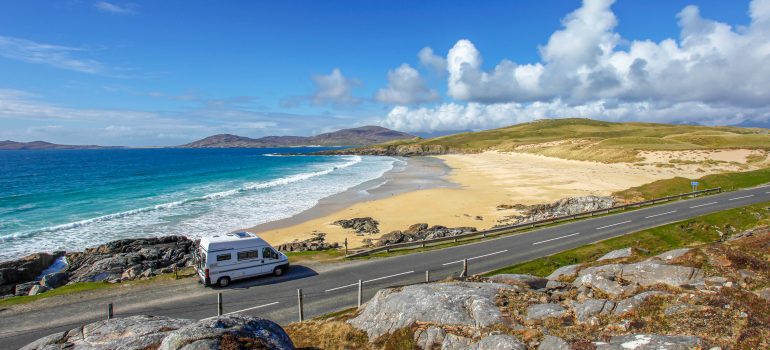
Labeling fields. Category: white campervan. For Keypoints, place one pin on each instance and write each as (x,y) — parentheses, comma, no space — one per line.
(221,259)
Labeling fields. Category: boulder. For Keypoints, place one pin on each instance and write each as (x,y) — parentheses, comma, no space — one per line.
(228,332)
(564,207)
(455,342)
(650,273)
(454,303)
(542,311)
(416,228)
(617,254)
(592,307)
(569,271)
(37,289)
(24,288)
(315,243)
(671,254)
(54,280)
(129,333)
(633,302)
(533,282)
(498,342)
(26,269)
(553,343)
(650,342)
(359,225)
(429,337)
(604,279)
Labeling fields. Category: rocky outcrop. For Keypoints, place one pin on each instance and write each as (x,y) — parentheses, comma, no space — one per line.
(534,282)
(315,243)
(419,232)
(359,225)
(560,208)
(623,279)
(130,258)
(24,270)
(456,303)
(158,332)
(649,342)
(395,150)
(617,254)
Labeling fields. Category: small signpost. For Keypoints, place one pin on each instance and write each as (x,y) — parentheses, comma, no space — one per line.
(694,185)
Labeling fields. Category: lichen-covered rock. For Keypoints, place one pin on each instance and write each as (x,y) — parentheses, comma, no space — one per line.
(553,343)
(650,342)
(617,254)
(541,311)
(498,342)
(429,337)
(671,254)
(129,333)
(563,207)
(569,271)
(592,307)
(651,273)
(604,278)
(454,303)
(633,302)
(533,282)
(228,332)
(455,342)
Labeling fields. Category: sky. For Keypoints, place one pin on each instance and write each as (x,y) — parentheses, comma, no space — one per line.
(159,73)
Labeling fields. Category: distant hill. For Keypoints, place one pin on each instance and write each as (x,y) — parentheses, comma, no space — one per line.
(581,139)
(365,135)
(41,145)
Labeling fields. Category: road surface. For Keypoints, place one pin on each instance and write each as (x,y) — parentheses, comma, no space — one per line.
(336,288)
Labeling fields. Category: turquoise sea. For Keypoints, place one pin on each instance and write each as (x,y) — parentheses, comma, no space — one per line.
(72,199)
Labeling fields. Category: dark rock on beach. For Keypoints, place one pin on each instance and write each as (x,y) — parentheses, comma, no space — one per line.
(419,232)
(360,225)
(315,243)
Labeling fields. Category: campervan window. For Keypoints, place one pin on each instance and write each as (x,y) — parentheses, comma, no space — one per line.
(269,253)
(223,257)
(246,255)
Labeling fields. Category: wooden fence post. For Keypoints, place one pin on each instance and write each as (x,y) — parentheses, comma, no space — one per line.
(219,304)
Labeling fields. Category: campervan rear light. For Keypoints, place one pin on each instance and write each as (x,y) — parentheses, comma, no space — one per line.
(206,273)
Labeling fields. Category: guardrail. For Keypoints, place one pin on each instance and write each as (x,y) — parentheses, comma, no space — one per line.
(522,226)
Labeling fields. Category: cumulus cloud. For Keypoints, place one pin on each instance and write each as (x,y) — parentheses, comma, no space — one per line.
(713,72)
(405,87)
(52,55)
(115,9)
(334,88)
(430,60)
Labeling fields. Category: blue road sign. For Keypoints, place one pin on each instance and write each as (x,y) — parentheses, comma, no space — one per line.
(694,183)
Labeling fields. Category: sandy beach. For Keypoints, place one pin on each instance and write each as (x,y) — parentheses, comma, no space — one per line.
(465,189)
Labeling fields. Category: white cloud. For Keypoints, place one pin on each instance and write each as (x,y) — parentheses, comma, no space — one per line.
(52,55)
(115,9)
(431,60)
(405,87)
(713,72)
(334,88)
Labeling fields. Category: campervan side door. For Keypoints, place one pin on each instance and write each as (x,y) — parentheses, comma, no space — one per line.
(250,262)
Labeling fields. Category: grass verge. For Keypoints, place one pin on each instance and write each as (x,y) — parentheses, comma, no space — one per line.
(699,230)
(82,287)
(677,185)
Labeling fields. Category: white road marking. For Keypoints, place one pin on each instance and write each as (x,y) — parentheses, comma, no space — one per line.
(652,216)
(702,205)
(474,258)
(620,223)
(732,199)
(371,280)
(553,239)
(239,311)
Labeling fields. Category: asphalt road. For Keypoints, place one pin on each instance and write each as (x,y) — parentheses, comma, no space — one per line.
(336,288)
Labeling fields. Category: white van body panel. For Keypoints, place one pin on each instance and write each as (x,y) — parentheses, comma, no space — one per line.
(236,256)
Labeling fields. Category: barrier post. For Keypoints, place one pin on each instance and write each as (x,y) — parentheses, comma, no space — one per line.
(465,268)
(360,292)
(299,304)
(219,304)
(427,276)
(109,311)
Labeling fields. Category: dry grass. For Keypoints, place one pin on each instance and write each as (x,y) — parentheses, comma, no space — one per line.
(327,335)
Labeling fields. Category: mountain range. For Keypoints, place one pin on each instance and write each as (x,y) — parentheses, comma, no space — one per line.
(41,145)
(362,136)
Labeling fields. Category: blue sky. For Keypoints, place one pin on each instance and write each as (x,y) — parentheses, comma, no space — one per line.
(168,72)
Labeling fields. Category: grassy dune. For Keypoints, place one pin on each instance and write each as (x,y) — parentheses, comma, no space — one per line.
(586,139)
(677,185)
(656,240)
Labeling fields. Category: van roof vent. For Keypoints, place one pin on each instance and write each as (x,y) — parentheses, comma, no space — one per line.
(241,234)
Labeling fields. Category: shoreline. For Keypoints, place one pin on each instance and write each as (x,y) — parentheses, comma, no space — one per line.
(407,175)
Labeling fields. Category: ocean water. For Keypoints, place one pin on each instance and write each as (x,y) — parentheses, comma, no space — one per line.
(72,199)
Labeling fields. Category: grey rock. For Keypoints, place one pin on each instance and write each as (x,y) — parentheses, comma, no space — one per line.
(605,279)
(764,293)
(533,282)
(498,342)
(553,343)
(429,337)
(568,271)
(54,280)
(37,289)
(541,311)
(651,273)
(315,243)
(650,342)
(130,333)
(564,207)
(24,270)
(215,333)
(359,225)
(592,307)
(617,254)
(454,342)
(24,288)
(671,254)
(633,302)
(454,303)
(555,285)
